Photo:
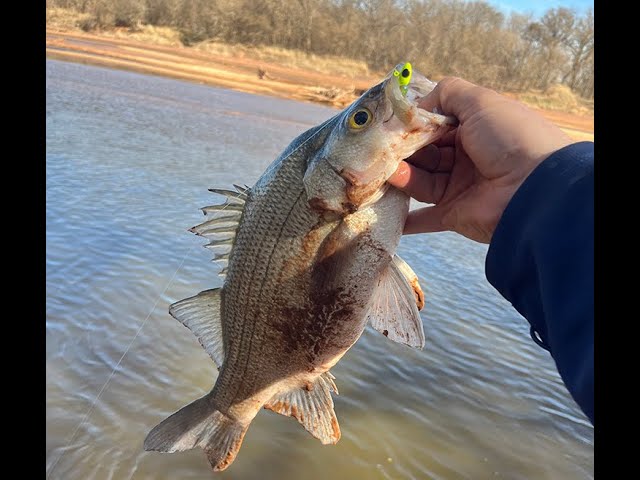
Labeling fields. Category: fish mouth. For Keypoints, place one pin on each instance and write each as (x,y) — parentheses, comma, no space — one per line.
(405,105)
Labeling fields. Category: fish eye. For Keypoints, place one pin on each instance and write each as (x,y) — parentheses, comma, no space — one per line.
(405,72)
(360,118)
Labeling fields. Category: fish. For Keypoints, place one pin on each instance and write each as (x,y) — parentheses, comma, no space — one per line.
(310,254)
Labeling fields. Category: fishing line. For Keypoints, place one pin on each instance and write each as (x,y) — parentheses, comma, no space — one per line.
(111,375)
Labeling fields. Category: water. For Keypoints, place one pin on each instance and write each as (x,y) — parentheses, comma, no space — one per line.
(129,161)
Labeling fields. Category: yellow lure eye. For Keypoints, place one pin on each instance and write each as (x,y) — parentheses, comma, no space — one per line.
(360,118)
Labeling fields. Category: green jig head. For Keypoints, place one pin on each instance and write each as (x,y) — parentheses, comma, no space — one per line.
(403,73)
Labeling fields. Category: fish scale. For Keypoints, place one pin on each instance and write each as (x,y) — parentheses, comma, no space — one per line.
(252,266)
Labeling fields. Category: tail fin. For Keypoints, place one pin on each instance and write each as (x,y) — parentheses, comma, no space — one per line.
(199,425)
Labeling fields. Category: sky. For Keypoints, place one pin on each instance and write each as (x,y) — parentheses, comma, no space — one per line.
(538,7)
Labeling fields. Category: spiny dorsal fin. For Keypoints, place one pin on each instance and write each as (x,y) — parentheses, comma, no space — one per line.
(312,407)
(221,229)
(239,195)
(218,224)
(201,315)
(227,207)
(396,301)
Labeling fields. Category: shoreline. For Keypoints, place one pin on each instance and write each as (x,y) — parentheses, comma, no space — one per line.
(240,73)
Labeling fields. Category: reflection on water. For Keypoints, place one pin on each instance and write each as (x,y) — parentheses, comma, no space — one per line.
(129,161)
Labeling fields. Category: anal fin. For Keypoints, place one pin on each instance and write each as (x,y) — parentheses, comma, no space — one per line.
(312,407)
(396,304)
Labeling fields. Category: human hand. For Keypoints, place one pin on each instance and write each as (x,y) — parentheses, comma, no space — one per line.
(473,171)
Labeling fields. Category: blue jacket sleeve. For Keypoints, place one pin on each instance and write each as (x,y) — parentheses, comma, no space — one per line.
(541,260)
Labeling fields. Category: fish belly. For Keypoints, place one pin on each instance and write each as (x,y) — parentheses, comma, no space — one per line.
(311,287)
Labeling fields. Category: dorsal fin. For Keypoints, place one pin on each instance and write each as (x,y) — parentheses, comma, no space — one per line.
(239,195)
(221,228)
(201,315)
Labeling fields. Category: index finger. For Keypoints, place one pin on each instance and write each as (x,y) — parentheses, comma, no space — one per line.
(418,183)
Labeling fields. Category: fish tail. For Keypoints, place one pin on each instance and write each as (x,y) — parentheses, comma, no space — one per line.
(199,424)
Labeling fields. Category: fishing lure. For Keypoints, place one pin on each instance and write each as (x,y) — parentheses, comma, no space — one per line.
(403,73)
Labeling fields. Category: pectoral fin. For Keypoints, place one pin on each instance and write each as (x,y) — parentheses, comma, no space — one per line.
(411,278)
(312,407)
(396,305)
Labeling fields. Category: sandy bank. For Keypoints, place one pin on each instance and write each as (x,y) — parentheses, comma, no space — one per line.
(238,72)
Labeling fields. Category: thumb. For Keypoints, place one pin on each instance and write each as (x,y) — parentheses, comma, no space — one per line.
(458,97)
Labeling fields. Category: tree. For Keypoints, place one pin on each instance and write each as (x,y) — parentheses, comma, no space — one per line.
(581,46)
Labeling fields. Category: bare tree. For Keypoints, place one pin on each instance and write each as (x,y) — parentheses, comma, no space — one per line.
(161,12)
(580,45)
(471,39)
